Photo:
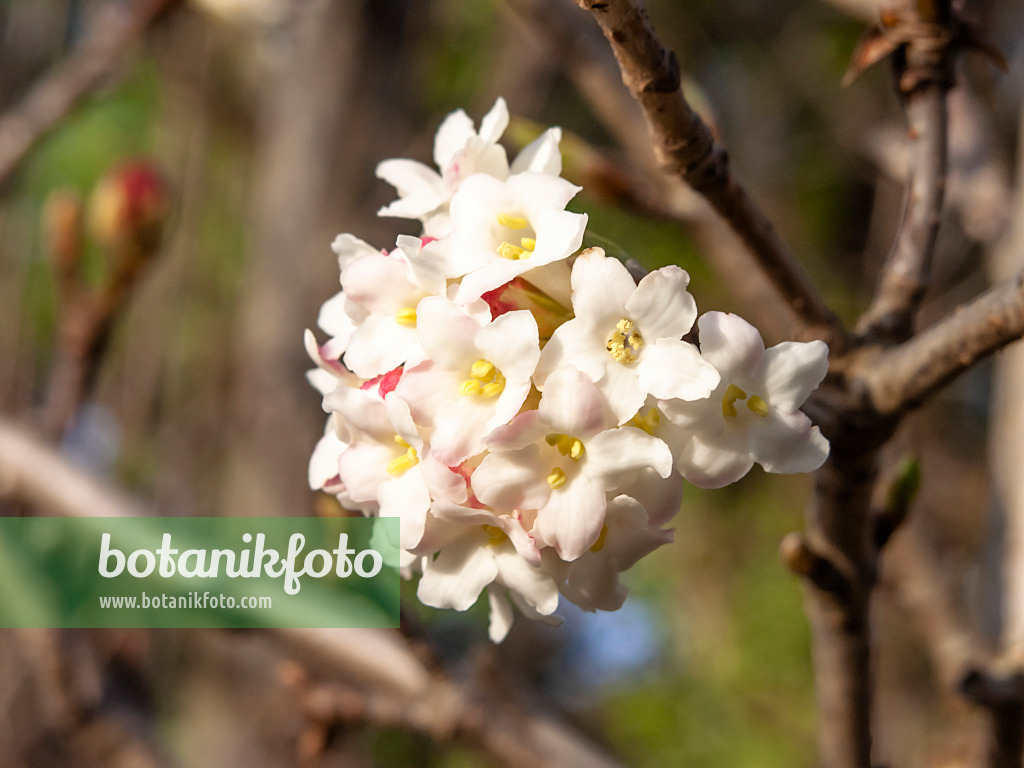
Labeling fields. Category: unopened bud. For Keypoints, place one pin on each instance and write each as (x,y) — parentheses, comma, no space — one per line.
(62,235)
(129,209)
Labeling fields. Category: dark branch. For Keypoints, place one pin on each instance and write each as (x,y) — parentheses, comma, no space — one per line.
(684,146)
(901,378)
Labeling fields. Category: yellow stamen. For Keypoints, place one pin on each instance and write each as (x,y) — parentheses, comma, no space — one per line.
(566,445)
(758,406)
(512,222)
(406,316)
(511,252)
(557,478)
(406,461)
(495,535)
(528,243)
(648,422)
(599,544)
(625,342)
(732,394)
(485,380)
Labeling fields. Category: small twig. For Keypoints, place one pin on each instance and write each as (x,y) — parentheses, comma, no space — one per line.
(900,378)
(924,66)
(67,83)
(684,145)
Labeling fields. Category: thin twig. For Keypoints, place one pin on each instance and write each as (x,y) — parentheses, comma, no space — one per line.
(684,145)
(900,378)
(82,72)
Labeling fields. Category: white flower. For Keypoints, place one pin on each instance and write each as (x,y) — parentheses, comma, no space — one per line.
(754,413)
(459,152)
(592,581)
(628,338)
(562,459)
(381,294)
(477,549)
(502,229)
(475,378)
(387,462)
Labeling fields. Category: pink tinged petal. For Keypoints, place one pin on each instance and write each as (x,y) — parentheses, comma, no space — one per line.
(695,415)
(494,122)
(455,130)
(513,479)
(541,155)
(629,536)
(323,464)
(426,270)
(501,614)
(572,404)
(531,583)
(577,343)
(442,483)
(363,411)
(714,462)
(380,345)
(420,188)
(571,520)
(455,578)
(621,387)
(661,497)
(524,429)
(459,429)
(333,319)
(730,343)
(446,333)
(322,381)
(521,540)
(788,443)
(661,306)
(380,284)
(593,585)
(615,455)
(363,470)
(426,387)
(671,369)
(327,364)
(478,156)
(601,287)
(791,371)
(401,421)
(406,498)
(348,248)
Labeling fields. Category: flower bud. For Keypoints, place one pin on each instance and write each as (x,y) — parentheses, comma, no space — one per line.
(129,208)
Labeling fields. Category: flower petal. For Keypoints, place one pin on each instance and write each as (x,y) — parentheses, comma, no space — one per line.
(571,520)
(455,578)
(791,371)
(675,369)
(730,343)
(661,305)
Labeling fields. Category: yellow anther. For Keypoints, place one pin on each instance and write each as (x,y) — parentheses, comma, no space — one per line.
(732,394)
(566,445)
(528,243)
(557,478)
(406,316)
(471,387)
(511,252)
(648,422)
(495,535)
(625,342)
(481,369)
(406,461)
(512,222)
(485,380)
(599,544)
(758,406)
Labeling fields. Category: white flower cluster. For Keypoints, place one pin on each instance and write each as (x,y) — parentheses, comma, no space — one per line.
(526,410)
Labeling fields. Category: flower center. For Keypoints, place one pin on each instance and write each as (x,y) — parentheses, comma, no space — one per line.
(485,380)
(733,393)
(406,461)
(648,422)
(509,250)
(406,316)
(566,445)
(625,342)
(557,478)
(495,535)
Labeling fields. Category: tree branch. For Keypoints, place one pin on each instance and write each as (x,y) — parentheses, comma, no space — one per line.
(902,377)
(684,145)
(67,83)
(924,66)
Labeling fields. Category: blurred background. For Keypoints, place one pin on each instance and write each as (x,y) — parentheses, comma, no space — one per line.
(265,119)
